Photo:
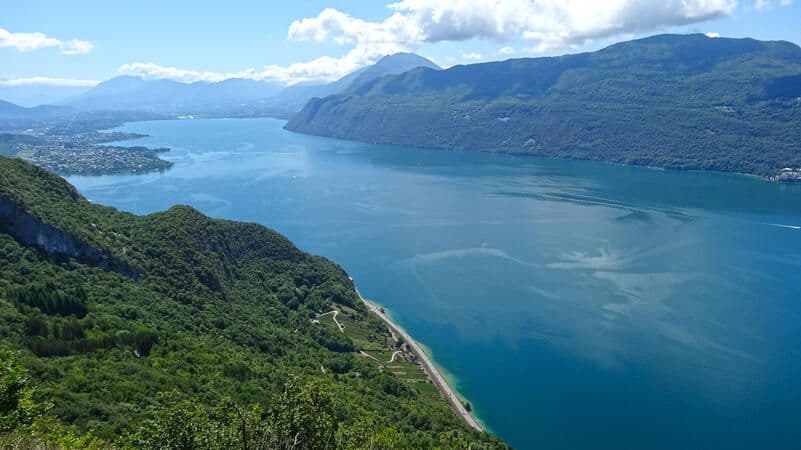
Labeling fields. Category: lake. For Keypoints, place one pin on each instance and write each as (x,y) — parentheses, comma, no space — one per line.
(576,304)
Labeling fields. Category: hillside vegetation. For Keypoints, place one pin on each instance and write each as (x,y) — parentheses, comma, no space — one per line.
(673,101)
(175,330)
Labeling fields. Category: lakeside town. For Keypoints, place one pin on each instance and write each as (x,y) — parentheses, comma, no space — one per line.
(77,151)
(788,174)
(82,159)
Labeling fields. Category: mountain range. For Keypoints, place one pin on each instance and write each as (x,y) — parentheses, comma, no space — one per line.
(674,101)
(39,94)
(168,96)
(10,110)
(229,96)
(671,101)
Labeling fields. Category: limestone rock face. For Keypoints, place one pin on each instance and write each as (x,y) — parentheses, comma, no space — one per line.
(55,243)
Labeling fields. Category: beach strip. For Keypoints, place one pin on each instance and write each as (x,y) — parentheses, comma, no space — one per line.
(429,367)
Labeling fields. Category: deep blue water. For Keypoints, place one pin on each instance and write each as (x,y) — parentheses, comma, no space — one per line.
(578,305)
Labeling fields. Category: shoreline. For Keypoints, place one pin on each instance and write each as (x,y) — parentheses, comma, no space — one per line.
(428,366)
(495,151)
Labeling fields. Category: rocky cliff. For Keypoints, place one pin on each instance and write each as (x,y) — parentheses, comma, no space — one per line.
(30,230)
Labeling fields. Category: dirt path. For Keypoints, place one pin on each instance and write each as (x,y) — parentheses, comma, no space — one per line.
(432,371)
(363,353)
(392,359)
(339,325)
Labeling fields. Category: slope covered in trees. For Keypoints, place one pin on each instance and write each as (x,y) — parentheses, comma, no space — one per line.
(175,330)
(673,101)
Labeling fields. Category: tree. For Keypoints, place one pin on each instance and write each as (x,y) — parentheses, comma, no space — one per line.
(16,405)
(178,424)
(303,416)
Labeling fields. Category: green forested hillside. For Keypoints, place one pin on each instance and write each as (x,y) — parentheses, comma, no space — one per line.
(175,330)
(674,101)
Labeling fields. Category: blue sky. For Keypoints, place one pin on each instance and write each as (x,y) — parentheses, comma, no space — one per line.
(81,42)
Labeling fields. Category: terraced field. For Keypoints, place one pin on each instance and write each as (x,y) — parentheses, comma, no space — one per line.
(401,364)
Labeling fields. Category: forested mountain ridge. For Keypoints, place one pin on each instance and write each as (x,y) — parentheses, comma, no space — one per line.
(673,101)
(202,334)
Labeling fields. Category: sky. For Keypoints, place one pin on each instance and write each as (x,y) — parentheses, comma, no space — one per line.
(80,42)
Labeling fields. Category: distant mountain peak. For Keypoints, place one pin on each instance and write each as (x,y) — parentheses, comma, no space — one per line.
(408,59)
(294,97)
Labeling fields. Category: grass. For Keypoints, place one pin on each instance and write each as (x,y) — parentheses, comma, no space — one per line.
(366,342)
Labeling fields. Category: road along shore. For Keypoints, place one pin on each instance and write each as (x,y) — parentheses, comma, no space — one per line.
(429,367)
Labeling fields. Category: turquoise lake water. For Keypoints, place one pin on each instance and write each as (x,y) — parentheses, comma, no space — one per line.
(578,305)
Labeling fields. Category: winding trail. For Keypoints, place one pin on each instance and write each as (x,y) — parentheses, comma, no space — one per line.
(335,312)
(429,367)
(392,359)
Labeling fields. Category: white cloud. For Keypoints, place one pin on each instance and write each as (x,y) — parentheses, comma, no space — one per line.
(548,24)
(712,34)
(155,71)
(370,41)
(76,47)
(324,68)
(764,4)
(26,42)
(471,56)
(507,51)
(48,81)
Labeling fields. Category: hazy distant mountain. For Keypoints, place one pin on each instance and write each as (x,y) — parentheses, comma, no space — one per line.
(292,99)
(37,94)
(675,101)
(134,93)
(232,96)
(10,110)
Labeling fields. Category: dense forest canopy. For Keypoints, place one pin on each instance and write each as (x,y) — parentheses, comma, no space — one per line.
(175,330)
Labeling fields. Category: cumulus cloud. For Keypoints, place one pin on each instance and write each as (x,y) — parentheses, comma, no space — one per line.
(369,41)
(550,23)
(26,42)
(547,24)
(325,68)
(155,71)
(48,81)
